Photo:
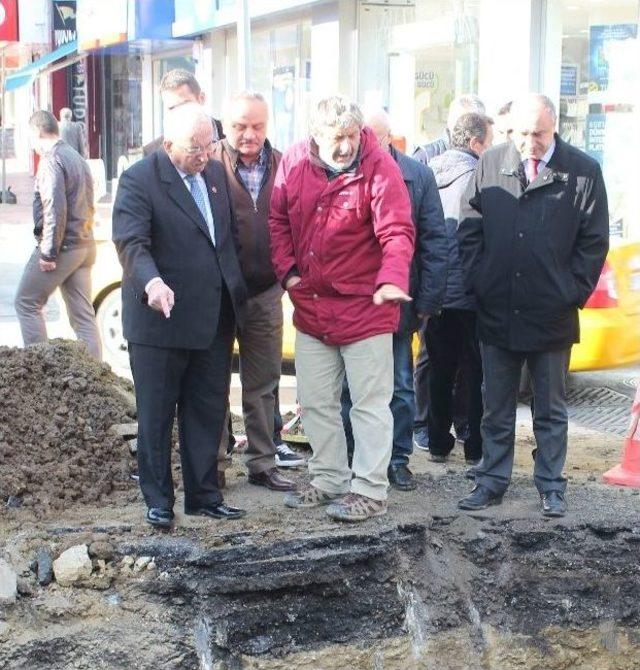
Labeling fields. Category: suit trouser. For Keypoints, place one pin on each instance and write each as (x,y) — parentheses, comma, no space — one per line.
(197,382)
(73,276)
(260,345)
(320,371)
(451,340)
(550,420)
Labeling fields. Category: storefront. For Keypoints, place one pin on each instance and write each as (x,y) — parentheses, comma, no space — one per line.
(415,56)
(125,38)
(294,55)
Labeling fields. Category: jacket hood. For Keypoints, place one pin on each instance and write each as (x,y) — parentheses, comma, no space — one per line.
(451,165)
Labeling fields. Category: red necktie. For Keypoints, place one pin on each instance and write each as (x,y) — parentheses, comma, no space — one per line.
(534,164)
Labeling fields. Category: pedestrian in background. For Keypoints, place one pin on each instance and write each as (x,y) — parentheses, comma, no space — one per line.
(342,241)
(461,105)
(426,288)
(73,132)
(533,236)
(450,336)
(63,212)
(179,87)
(250,164)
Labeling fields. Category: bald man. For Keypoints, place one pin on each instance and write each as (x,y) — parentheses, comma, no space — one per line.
(533,237)
(183,295)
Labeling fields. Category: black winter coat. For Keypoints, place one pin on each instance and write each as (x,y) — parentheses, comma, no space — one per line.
(532,254)
(428,274)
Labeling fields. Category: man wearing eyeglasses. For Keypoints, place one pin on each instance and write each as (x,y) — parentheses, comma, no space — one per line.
(179,87)
(183,295)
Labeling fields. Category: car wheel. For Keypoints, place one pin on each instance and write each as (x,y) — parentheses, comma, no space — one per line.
(109,319)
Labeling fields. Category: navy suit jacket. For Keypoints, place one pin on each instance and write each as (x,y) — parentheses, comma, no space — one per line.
(158,230)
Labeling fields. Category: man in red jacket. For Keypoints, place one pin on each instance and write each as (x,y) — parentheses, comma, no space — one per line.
(342,241)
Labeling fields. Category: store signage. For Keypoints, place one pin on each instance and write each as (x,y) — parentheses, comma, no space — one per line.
(595,132)
(64,22)
(154,19)
(569,80)
(9,21)
(101,23)
(601,39)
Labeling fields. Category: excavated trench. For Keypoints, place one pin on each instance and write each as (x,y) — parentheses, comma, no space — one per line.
(423,587)
(420,589)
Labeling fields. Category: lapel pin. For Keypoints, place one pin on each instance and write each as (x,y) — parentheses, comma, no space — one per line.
(214,189)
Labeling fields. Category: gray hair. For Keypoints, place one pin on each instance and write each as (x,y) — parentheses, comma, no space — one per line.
(379,117)
(183,121)
(252,96)
(469,126)
(45,122)
(468,102)
(534,100)
(65,114)
(336,111)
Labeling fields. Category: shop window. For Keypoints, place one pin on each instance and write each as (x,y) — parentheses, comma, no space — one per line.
(414,58)
(281,71)
(600,98)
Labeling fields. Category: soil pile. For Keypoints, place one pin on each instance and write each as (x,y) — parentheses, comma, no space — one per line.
(57,407)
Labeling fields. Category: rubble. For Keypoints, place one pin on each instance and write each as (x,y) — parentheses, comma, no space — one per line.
(57,408)
(72,565)
(8,583)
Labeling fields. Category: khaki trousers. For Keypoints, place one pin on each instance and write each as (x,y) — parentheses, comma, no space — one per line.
(73,277)
(320,369)
(260,345)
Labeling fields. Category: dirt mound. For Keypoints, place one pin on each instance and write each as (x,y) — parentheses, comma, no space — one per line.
(57,406)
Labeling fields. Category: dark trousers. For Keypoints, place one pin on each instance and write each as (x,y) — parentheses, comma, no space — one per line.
(501,381)
(402,403)
(421,387)
(197,383)
(452,344)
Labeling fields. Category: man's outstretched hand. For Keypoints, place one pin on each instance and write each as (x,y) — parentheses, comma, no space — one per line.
(390,293)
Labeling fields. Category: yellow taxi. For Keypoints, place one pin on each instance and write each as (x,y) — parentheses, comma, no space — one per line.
(609,323)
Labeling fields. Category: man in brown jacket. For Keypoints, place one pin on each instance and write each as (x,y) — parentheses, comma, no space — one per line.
(251,163)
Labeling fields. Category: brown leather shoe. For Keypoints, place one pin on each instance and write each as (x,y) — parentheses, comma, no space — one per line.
(222,480)
(271,479)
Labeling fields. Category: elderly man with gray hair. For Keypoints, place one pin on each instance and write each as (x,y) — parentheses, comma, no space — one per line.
(182,297)
(250,163)
(342,242)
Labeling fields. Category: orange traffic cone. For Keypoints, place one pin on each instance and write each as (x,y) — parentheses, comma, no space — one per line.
(628,472)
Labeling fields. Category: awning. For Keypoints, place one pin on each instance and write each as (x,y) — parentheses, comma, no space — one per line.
(28,73)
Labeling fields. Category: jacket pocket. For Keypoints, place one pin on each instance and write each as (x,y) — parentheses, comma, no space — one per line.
(353,288)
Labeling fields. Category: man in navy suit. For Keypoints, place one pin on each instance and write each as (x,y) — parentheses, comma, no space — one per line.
(182,294)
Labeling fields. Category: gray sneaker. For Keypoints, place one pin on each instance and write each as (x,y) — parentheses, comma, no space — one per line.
(308,496)
(356,507)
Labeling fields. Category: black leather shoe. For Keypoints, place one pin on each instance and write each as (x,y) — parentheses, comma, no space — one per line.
(272,479)
(553,503)
(159,517)
(220,511)
(401,478)
(480,498)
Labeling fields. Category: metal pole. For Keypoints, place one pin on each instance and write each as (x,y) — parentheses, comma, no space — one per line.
(3,190)
(244,44)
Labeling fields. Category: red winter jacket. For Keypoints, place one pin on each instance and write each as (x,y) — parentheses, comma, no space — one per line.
(344,238)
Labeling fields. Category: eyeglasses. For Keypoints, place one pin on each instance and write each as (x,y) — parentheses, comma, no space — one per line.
(194,151)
